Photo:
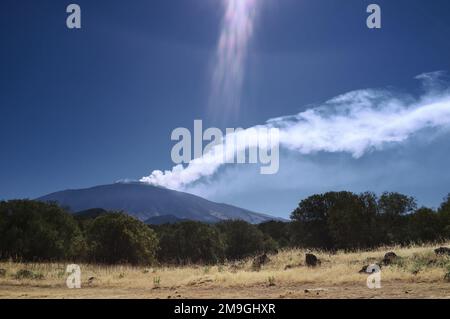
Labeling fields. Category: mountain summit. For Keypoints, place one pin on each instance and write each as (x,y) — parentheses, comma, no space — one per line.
(146,202)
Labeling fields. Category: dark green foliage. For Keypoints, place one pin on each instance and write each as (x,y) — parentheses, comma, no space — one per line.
(243,239)
(28,274)
(190,242)
(392,208)
(351,221)
(35,231)
(119,238)
(336,220)
(444,217)
(278,231)
(424,226)
(344,220)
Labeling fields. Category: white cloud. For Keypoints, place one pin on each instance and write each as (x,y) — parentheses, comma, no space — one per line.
(356,123)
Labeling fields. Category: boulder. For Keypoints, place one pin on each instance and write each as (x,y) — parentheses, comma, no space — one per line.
(259,261)
(447,277)
(389,258)
(364,269)
(311,260)
(442,251)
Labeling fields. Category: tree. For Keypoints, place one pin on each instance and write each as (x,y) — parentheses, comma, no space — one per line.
(309,227)
(278,231)
(36,231)
(190,242)
(351,221)
(392,208)
(242,239)
(119,238)
(444,217)
(424,226)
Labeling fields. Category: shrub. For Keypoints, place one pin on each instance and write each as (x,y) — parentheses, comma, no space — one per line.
(36,231)
(28,274)
(119,238)
(242,239)
(190,242)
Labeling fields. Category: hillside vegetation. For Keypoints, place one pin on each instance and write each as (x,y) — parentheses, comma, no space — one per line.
(33,231)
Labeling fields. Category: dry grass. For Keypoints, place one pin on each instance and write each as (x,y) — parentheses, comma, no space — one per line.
(418,266)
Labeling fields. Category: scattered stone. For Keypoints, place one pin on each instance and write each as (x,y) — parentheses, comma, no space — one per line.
(442,251)
(389,258)
(259,261)
(292,266)
(364,268)
(91,280)
(447,277)
(311,260)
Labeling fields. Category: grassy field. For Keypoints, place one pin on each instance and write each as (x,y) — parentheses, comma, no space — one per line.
(418,273)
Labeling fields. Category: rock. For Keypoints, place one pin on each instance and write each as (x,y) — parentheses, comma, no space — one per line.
(442,251)
(364,269)
(311,260)
(292,266)
(389,258)
(259,261)
(447,277)
(91,280)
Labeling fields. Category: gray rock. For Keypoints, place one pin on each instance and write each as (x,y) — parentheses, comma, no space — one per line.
(311,260)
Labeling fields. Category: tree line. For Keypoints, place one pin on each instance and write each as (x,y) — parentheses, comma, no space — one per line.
(36,231)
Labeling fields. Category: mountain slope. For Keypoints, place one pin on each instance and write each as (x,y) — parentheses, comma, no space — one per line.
(146,201)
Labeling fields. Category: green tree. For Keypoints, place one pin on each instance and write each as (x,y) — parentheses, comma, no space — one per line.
(352,220)
(309,227)
(444,218)
(424,226)
(36,231)
(242,239)
(119,238)
(190,242)
(278,231)
(393,207)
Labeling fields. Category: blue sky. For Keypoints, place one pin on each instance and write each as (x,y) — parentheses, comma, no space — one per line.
(92,106)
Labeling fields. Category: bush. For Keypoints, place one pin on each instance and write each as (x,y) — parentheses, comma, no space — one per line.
(119,238)
(242,239)
(278,231)
(35,231)
(190,242)
(28,274)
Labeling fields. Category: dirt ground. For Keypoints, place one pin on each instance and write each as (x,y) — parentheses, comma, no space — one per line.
(388,291)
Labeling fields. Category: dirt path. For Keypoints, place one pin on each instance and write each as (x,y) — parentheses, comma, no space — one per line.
(389,290)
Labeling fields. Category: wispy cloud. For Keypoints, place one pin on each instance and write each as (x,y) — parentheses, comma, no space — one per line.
(356,123)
